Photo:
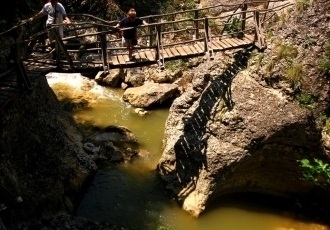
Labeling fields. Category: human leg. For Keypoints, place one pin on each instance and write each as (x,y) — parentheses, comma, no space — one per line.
(128,43)
(52,44)
(130,52)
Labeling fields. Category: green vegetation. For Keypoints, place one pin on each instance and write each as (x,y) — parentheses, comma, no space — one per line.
(317,172)
(176,64)
(286,52)
(215,26)
(260,58)
(234,25)
(325,60)
(302,5)
(309,40)
(269,34)
(177,5)
(295,74)
(306,100)
(282,20)
(270,66)
(327,126)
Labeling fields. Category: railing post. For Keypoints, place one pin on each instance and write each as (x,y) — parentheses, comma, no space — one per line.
(244,9)
(206,40)
(158,29)
(265,13)
(23,47)
(59,45)
(103,40)
(196,16)
(22,77)
(259,33)
(158,48)
(150,32)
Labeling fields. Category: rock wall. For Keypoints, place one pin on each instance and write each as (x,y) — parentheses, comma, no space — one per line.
(41,157)
(229,133)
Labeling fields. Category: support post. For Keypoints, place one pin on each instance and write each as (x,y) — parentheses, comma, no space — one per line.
(59,46)
(103,40)
(243,21)
(23,80)
(206,32)
(196,16)
(159,50)
(259,36)
(150,32)
(266,6)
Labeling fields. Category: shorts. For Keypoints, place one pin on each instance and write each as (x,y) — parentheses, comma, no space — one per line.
(129,42)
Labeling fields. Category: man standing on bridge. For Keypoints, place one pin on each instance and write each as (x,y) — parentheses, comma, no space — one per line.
(56,13)
(129,36)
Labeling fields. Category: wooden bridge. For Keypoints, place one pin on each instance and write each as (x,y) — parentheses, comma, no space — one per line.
(93,44)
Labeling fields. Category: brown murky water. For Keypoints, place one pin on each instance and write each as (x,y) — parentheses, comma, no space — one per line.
(131,195)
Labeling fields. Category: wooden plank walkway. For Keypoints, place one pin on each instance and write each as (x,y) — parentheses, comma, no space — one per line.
(145,57)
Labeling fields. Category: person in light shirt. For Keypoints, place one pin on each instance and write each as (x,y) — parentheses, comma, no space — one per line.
(56,14)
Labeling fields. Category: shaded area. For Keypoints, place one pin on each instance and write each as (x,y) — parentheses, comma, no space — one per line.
(264,203)
(124,196)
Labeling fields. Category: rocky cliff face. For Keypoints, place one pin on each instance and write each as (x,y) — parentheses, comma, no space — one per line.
(41,157)
(240,127)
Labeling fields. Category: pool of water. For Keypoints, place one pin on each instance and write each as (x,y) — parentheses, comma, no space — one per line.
(132,195)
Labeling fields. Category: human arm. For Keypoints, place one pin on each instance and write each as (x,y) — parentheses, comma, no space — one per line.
(117,26)
(66,19)
(38,15)
(63,12)
(144,23)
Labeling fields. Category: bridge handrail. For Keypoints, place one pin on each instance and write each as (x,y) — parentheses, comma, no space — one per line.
(179,12)
(107,23)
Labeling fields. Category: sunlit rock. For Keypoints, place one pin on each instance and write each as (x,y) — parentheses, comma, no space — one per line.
(150,94)
(140,111)
(111,79)
(229,134)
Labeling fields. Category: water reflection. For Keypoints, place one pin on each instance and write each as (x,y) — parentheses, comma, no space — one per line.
(131,194)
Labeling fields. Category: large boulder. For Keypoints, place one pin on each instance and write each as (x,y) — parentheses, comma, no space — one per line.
(228,133)
(150,94)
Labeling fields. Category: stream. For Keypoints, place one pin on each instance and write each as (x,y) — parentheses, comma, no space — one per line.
(131,194)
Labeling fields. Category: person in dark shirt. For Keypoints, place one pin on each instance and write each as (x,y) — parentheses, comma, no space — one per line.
(129,36)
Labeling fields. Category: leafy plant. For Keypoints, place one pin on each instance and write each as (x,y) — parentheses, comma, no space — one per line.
(302,5)
(215,26)
(316,171)
(306,100)
(234,25)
